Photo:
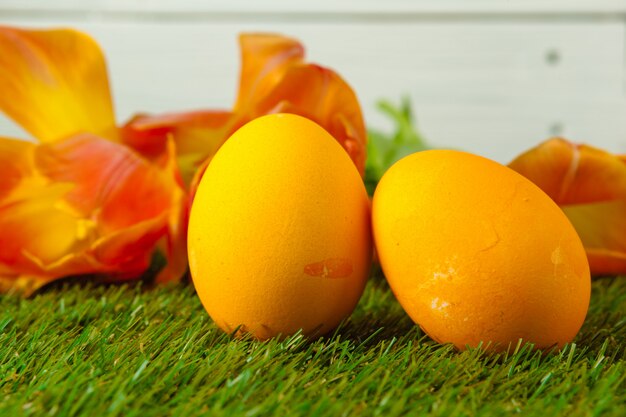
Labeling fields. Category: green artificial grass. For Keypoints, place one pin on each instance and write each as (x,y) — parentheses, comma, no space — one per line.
(89,350)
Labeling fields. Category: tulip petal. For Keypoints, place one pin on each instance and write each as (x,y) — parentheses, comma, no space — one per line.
(122,247)
(327,100)
(113,184)
(573,174)
(54,83)
(602,228)
(275,78)
(121,194)
(174,244)
(264,60)
(34,221)
(197,136)
(86,205)
(14,163)
(589,184)
(36,226)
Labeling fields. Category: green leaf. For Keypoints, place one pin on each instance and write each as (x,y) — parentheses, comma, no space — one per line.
(383,149)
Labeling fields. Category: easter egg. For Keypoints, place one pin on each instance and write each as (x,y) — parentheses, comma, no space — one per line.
(279,232)
(476,254)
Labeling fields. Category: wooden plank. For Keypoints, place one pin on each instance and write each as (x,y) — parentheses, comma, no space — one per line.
(492,88)
(377,7)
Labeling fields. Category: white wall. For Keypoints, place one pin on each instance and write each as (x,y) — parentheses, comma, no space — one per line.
(493,77)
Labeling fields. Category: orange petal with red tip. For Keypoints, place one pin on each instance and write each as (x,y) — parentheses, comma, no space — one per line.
(197,135)
(85,205)
(134,203)
(54,83)
(589,184)
(113,184)
(37,228)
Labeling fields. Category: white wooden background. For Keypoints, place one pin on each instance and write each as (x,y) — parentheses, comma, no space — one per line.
(494,77)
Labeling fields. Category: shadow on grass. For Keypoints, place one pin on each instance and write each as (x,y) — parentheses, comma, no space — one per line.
(370,329)
(379,319)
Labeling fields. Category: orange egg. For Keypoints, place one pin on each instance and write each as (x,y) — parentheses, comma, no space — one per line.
(279,232)
(475,252)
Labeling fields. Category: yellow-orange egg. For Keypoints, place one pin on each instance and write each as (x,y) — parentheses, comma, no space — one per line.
(475,252)
(279,232)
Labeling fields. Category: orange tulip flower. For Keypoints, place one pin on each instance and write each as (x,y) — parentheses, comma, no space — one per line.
(274,78)
(589,184)
(95,198)
(78,202)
